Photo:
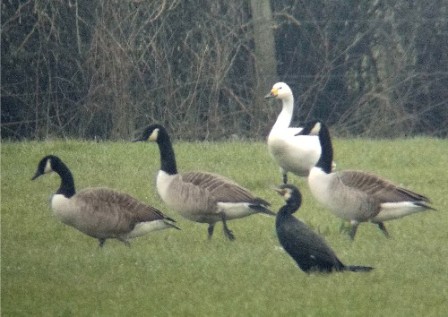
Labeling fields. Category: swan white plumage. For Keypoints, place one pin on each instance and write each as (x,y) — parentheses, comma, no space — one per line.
(293,153)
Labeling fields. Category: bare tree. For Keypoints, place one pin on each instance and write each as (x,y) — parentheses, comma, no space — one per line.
(265,61)
(100,68)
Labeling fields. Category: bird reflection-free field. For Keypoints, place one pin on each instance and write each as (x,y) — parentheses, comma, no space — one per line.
(50,269)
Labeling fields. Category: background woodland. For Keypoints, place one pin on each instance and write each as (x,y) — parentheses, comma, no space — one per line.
(105,68)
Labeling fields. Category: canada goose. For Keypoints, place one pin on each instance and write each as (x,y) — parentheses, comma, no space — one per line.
(293,153)
(198,196)
(306,247)
(358,196)
(101,213)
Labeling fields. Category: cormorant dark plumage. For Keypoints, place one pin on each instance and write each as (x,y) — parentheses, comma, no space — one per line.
(306,247)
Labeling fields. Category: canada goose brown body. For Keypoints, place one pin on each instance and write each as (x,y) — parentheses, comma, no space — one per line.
(101,213)
(293,153)
(199,196)
(307,248)
(358,196)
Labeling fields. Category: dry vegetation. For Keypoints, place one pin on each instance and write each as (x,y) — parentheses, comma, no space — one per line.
(88,69)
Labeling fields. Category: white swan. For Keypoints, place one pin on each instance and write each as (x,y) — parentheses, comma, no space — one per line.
(293,153)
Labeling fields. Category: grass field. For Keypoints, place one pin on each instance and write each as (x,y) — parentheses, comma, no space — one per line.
(49,269)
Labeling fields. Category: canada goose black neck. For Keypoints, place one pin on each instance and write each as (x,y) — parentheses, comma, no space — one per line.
(326,158)
(67,187)
(167,156)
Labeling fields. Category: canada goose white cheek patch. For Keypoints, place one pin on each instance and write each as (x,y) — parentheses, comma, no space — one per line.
(48,168)
(154,135)
(315,130)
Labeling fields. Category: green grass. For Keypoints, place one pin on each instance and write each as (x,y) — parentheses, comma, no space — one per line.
(49,269)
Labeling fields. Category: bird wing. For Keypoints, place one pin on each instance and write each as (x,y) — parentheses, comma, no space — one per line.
(379,188)
(107,210)
(221,188)
(294,130)
(293,153)
(305,246)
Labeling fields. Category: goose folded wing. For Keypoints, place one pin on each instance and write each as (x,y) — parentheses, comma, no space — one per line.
(110,210)
(378,188)
(221,188)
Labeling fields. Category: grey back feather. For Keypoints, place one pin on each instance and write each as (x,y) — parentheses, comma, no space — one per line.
(382,190)
(199,192)
(221,188)
(364,192)
(105,212)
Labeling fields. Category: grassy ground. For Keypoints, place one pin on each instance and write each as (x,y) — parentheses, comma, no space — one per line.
(49,269)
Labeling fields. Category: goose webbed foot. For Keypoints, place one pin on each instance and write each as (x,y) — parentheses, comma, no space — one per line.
(353,230)
(344,227)
(227,232)
(101,242)
(125,241)
(383,229)
(210,230)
